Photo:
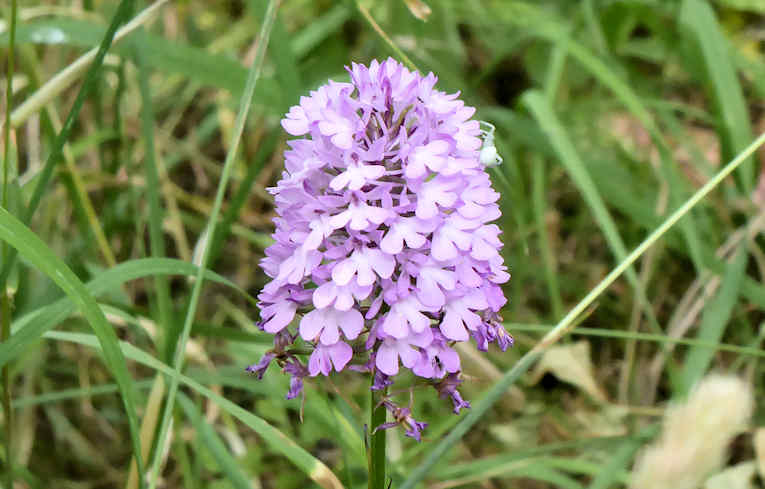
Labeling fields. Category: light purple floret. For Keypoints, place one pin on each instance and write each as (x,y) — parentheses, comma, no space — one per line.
(384,250)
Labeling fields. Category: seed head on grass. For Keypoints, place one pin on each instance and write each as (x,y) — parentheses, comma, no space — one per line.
(384,254)
(695,435)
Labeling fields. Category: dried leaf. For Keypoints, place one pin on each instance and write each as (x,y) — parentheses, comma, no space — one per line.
(570,363)
(419,9)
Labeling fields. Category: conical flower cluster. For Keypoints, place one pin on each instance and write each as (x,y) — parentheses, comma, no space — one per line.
(384,255)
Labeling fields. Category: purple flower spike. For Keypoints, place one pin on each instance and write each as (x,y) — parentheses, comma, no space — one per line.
(384,254)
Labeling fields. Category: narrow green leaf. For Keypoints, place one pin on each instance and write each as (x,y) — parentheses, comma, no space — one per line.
(714,320)
(34,250)
(212,442)
(156,214)
(700,25)
(30,327)
(241,118)
(274,438)
(91,79)
(575,167)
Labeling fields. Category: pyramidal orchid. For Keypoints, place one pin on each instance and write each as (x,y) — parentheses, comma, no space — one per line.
(384,255)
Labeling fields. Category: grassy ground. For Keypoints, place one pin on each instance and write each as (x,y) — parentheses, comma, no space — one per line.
(610,115)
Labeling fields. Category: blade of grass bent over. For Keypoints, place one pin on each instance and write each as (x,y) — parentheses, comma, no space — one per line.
(241,118)
(568,322)
(41,257)
(30,327)
(277,440)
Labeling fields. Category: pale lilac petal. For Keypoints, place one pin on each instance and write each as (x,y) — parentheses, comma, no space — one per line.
(311,324)
(351,322)
(340,353)
(393,242)
(284,315)
(382,263)
(324,295)
(344,271)
(387,359)
(395,325)
(409,356)
(331,333)
(452,327)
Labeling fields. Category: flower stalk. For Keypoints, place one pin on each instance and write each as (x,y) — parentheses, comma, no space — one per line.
(376,455)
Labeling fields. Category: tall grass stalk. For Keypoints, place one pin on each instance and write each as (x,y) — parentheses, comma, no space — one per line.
(5,300)
(241,119)
(569,321)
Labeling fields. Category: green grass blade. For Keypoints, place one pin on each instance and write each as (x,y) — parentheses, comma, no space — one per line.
(277,440)
(241,118)
(212,442)
(701,27)
(575,167)
(240,198)
(631,335)
(318,30)
(30,327)
(565,324)
(548,257)
(619,463)
(41,257)
(715,318)
(69,394)
(156,214)
(91,79)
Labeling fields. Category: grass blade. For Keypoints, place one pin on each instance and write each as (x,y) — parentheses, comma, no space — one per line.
(714,320)
(307,463)
(214,445)
(92,59)
(91,79)
(575,167)
(563,326)
(698,20)
(241,118)
(156,236)
(41,257)
(30,327)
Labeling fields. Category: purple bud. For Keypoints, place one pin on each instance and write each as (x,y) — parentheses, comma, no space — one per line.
(260,368)
(297,370)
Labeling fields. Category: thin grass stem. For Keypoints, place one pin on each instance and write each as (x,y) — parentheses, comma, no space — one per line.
(241,118)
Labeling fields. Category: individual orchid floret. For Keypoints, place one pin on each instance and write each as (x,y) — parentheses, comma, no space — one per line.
(384,255)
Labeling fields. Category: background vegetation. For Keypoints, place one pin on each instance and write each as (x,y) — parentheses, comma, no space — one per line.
(610,115)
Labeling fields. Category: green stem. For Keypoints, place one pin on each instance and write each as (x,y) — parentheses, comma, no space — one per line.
(5,301)
(376,454)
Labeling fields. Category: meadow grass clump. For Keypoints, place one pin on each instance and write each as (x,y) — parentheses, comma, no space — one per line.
(624,174)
